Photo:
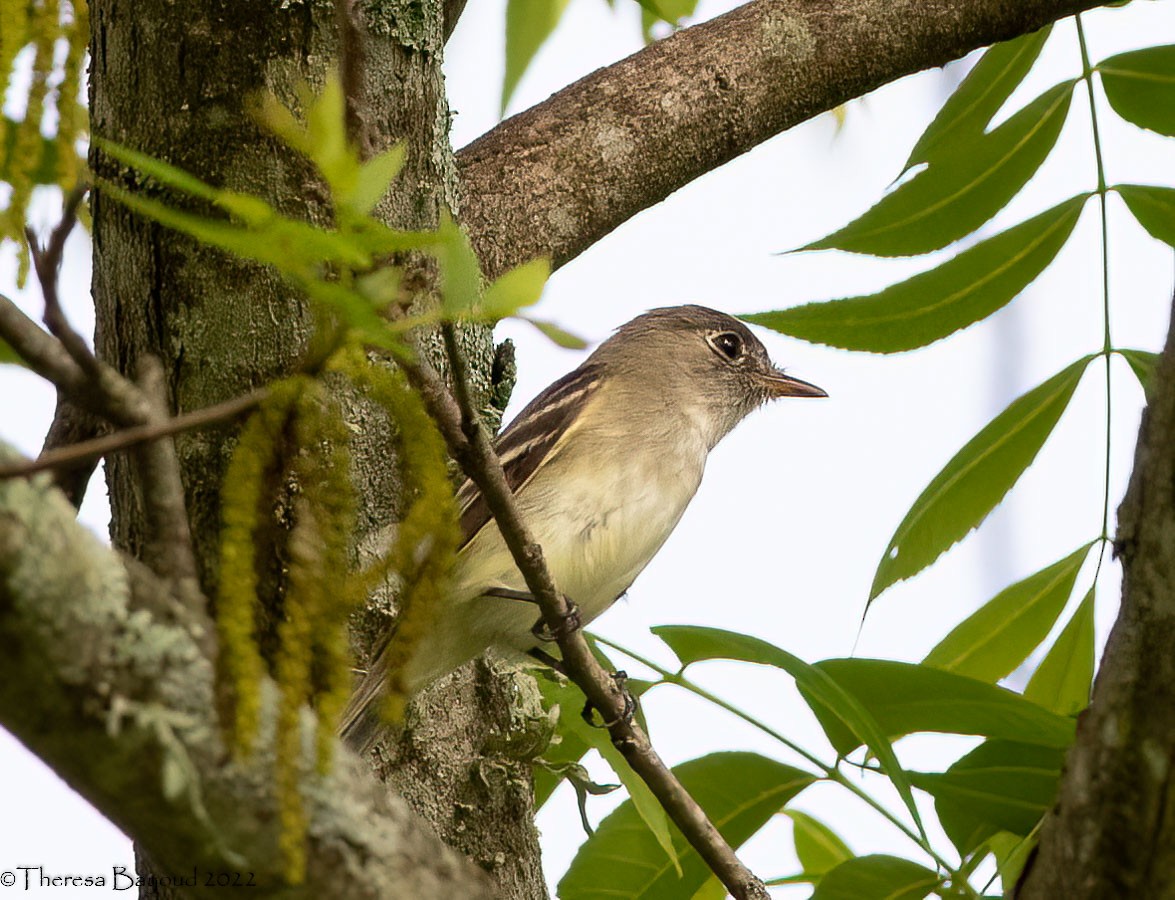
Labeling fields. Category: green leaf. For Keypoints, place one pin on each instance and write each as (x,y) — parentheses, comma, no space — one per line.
(712,889)
(740,792)
(1143,364)
(876,877)
(460,269)
(528,25)
(328,147)
(1063,679)
(9,355)
(577,737)
(963,188)
(838,710)
(373,180)
(1000,785)
(980,95)
(1140,86)
(521,286)
(818,847)
(995,639)
(570,747)
(294,248)
(904,698)
(930,306)
(976,479)
(556,334)
(1011,853)
(1153,207)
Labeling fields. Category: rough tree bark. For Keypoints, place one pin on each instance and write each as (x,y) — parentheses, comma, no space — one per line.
(178,87)
(1111,833)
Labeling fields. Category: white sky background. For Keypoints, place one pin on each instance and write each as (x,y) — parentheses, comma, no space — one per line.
(799,503)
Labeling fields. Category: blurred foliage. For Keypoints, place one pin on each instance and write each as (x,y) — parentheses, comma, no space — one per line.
(42,60)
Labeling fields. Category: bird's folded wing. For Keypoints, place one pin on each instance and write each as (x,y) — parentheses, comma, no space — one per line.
(531,438)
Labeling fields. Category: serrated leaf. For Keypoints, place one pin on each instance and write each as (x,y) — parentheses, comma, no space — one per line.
(904,698)
(373,180)
(1064,678)
(876,877)
(930,306)
(528,25)
(963,189)
(976,479)
(829,700)
(1153,207)
(980,95)
(818,847)
(998,786)
(994,640)
(9,356)
(1142,363)
(1140,86)
(520,287)
(556,334)
(740,792)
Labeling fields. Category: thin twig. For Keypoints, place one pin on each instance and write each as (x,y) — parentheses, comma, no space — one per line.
(47,262)
(166,509)
(87,451)
(470,445)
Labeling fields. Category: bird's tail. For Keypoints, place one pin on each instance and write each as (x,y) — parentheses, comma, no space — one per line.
(362,721)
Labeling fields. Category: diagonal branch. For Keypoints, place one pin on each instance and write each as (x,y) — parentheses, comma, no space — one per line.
(470,445)
(556,178)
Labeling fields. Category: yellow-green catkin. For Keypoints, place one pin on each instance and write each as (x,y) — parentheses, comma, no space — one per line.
(71,114)
(428,534)
(242,668)
(28,146)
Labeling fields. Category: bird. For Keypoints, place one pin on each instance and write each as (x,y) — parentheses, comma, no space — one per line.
(603,464)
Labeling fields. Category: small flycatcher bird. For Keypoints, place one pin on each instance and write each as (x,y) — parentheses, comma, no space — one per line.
(602,463)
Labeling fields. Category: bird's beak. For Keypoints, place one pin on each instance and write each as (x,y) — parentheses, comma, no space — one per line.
(780,384)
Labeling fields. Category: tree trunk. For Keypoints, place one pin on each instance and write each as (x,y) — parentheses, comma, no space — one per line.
(177,85)
(1111,833)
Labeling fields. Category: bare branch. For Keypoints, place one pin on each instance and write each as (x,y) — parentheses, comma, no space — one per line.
(451,11)
(470,445)
(556,178)
(47,262)
(87,451)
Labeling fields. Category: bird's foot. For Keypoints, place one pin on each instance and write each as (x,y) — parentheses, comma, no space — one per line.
(626,714)
(569,623)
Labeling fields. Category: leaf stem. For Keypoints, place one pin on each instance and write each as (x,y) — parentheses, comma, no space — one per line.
(1107,344)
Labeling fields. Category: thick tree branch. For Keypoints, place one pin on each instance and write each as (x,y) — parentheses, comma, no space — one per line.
(470,445)
(556,178)
(1112,830)
(93,658)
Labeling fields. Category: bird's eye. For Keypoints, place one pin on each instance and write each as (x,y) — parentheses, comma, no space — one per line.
(728,344)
